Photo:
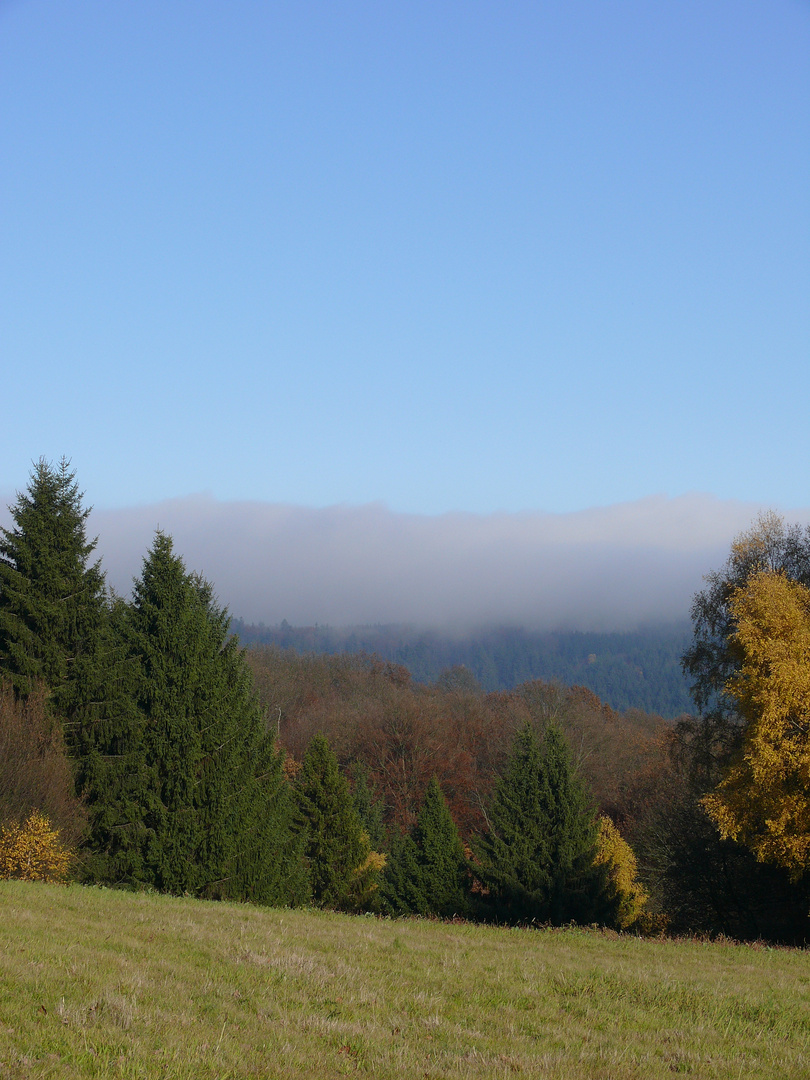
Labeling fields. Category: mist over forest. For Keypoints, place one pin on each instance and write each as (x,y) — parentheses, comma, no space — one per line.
(599,598)
(614,568)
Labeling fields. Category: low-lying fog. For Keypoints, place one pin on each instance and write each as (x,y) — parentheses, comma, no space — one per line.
(610,568)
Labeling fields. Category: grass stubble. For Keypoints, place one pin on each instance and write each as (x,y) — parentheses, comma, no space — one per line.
(99,983)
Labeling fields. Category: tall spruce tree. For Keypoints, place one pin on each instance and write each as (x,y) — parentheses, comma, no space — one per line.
(214,812)
(111,771)
(537,861)
(52,597)
(58,631)
(427,871)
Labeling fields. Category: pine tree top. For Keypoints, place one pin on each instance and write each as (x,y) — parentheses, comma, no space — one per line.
(52,599)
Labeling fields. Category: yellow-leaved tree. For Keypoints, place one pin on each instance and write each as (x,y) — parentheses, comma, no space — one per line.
(763,800)
(33,851)
(614,853)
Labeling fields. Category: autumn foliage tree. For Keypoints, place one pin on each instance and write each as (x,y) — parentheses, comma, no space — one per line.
(35,770)
(763,799)
(708,881)
(713,658)
(404,733)
(34,851)
(617,857)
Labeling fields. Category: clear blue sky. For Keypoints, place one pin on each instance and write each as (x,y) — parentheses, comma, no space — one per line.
(446,255)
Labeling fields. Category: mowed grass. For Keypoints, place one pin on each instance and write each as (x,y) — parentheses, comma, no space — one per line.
(97,983)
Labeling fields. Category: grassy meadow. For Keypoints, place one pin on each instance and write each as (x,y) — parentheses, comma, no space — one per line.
(98,983)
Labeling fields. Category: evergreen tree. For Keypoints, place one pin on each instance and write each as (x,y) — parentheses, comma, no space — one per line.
(207,806)
(111,772)
(56,632)
(367,805)
(341,873)
(399,891)
(537,861)
(427,871)
(52,598)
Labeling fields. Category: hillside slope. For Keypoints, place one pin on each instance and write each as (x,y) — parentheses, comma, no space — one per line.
(98,983)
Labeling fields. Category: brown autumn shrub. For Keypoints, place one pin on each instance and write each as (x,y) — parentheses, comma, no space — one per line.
(35,770)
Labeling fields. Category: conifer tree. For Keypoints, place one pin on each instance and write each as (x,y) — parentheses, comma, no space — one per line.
(427,871)
(537,861)
(367,805)
(56,633)
(399,891)
(52,598)
(212,813)
(342,874)
(111,772)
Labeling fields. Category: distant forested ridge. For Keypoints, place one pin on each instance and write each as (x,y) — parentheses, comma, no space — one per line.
(638,670)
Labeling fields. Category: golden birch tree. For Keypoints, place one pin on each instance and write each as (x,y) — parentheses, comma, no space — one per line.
(763,800)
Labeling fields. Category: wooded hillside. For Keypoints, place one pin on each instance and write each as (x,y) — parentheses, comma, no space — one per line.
(638,670)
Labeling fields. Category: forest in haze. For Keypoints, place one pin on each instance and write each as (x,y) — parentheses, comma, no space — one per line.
(143,747)
(629,670)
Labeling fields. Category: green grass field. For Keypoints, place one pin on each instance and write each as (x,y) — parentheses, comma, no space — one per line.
(96,983)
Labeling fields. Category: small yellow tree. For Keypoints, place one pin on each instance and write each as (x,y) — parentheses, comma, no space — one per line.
(764,799)
(613,852)
(33,851)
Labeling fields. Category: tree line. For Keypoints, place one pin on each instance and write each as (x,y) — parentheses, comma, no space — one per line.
(174,772)
(165,756)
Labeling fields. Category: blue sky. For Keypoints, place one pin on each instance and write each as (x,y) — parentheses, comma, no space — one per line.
(445,256)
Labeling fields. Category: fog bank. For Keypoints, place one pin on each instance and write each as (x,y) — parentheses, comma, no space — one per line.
(615,567)
(610,568)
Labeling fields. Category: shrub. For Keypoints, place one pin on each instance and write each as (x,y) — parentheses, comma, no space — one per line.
(33,851)
(35,771)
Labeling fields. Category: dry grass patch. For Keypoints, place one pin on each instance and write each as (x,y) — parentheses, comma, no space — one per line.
(95,983)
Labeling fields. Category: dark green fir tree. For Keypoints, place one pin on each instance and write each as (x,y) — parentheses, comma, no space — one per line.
(338,851)
(367,805)
(427,871)
(52,596)
(213,813)
(58,637)
(111,773)
(537,859)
